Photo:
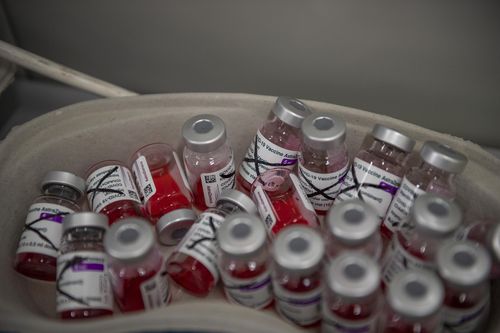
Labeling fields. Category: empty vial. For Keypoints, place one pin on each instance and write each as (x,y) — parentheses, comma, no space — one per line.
(37,252)
(298,255)
(83,287)
(277,142)
(244,261)
(323,161)
(208,159)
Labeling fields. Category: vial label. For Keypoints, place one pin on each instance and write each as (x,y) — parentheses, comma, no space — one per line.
(214,183)
(144,178)
(399,210)
(265,207)
(155,291)
(110,184)
(465,320)
(321,188)
(254,293)
(332,323)
(302,196)
(43,229)
(263,155)
(182,173)
(201,244)
(370,184)
(82,281)
(300,308)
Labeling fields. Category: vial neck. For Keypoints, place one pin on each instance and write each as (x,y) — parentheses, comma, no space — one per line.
(310,153)
(435,172)
(85,234)
(62,191)
(387,152)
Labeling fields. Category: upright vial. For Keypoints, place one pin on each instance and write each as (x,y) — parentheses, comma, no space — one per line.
(433,220)
(193,264)
(111,191)
(353,226)
(39,243)
(298,255)
(244,261)
(352,297)
(377,169)
(137,267)
(435,174)
(464,268)
(208,159)
(162,182)
(281,200)
(414,299)
(277,142)
(83,288)
(323,162)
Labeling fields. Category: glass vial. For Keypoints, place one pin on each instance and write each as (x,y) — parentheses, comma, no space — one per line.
(38,248)
(173,226)
(298,255)
(208,159)
(323,161)
(436,174)
(277,142)
(193,264)
(137,267)
(281,200)
(352,296)
(244,261)
(111,191)
(353,226)
(464,268)
(83,288)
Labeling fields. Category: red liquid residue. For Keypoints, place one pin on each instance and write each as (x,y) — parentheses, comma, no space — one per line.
(457,300)
(121,209)
(129,297)
(199,196)
(290,211)
(242,185)
(386,233)
(247,273)
(37,266)
(190,274)
(412,250)
(353,311)
(84,313)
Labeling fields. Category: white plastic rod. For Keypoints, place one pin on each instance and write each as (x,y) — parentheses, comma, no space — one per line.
(59,72)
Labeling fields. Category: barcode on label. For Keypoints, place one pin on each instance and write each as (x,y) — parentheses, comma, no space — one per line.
(133,195)
(210,179)
(147,190)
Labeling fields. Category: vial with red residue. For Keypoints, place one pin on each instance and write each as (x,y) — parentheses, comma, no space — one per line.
(39,243)
(433,220)
(162,183)
(413,299)
(352,297)
(323,161)
(244,262)
(208,159)
(281,200)
(83,287)
(464,267)
(137,267)
(277,143)
(193,264)
(436,173)
(353,225)
(298,256)
(111,191)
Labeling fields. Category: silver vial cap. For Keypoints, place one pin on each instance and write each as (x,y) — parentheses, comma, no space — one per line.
(443,157)
(415,293)
(291,111)
(353,275)
(85,219)
(494,243)
(242,235)
(172,226)
(129,240)
(352,222)
(393,137)
(239,199)
(436,215)
(323,131)
(463,263)
(204,133)
(64,178)
(299,249)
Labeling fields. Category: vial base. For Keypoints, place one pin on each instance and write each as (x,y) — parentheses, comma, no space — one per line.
(85,313)
(190,274)
(121,209)
(36,266)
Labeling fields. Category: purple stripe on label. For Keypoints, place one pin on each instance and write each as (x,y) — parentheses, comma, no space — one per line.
(256,285)
(88,267)
(302,302)
(388,188)
(287,161)
(52,217)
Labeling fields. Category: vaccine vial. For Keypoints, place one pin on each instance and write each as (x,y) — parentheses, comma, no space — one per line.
(353,225)
(38,248)
(244,262)
(111,191)
(464,267)
(377,169)
(352,297)
(137,268)
(277,143)
(162,183)
(173,226)
(193,264)
(298,256)
(436,174)
(281,200)
(208,159)
(433,220)
(414,299)
(323,161)
(83,287)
